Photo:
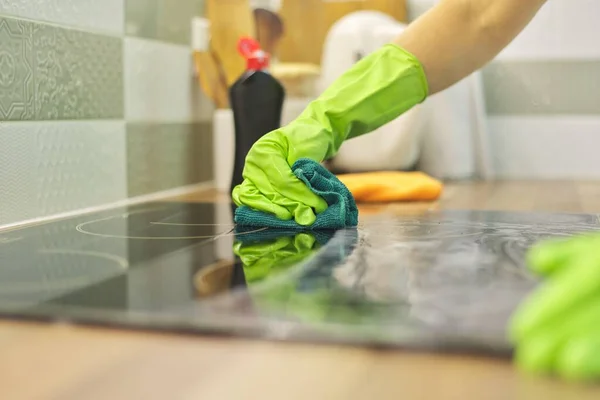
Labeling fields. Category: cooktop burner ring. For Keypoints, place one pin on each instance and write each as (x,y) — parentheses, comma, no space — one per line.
(52,282)
(227,232)
(231,226)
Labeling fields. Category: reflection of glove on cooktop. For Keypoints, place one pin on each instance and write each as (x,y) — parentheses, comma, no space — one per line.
(340,213)
(265,253)
(314,294)
(557,330)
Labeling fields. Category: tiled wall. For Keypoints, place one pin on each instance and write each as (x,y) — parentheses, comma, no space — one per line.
(98,103)
(542,96)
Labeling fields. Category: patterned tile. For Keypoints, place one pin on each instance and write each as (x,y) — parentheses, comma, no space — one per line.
(160,20)
(50,73)
(160,84)
(166,156)
(52,167)
(542,87)
(104,15)
(16,70)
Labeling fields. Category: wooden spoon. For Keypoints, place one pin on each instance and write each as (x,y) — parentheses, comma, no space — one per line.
(229,21)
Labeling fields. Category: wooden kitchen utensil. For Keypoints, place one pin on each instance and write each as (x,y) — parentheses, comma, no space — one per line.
(269,30)
(229,21)
(212,79)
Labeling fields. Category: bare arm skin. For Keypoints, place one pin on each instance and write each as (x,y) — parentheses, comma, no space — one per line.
(457,37)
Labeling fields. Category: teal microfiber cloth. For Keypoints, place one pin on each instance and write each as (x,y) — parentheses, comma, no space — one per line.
(341,213)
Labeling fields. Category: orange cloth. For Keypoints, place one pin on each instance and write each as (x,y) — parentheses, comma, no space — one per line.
(387,187)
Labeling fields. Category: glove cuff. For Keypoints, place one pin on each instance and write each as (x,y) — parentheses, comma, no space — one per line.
(416,64)
(375,91)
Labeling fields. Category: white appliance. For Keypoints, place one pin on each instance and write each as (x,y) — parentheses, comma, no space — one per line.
(446,136)
(394,146)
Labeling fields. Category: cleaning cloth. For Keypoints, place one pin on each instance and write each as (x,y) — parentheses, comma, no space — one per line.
(386,187)
(340,213)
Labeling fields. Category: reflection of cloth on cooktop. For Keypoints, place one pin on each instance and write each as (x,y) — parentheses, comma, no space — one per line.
(248,235)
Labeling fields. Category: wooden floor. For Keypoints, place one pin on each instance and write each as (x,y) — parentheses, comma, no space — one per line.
(64,362)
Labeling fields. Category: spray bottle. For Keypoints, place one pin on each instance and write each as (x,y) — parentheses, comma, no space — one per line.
(256,100)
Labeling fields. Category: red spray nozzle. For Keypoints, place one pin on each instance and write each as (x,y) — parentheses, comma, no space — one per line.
(256,58)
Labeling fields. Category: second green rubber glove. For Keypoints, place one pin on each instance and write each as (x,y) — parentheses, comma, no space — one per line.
(557,329)
(375,91)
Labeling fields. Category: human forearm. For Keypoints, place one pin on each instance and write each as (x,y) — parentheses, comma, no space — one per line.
(457,37)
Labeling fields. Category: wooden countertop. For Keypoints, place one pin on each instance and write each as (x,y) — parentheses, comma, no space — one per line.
(41,361)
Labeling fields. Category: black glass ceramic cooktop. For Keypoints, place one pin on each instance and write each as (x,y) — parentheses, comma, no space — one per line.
(438,280)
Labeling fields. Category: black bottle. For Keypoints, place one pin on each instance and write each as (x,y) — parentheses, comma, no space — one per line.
(256,100)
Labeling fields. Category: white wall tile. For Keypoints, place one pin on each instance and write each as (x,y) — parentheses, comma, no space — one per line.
(546,146)
(416,8)
(543,87)
(97,15)
(160,84)
(551,147)
(561,30)
(52,167)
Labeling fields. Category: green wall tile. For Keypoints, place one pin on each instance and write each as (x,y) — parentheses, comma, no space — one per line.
(51,73)
(161,19)
(96,15)
(166,156)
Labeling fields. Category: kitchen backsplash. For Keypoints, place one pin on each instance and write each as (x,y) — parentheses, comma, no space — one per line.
(542,97)
(98,102)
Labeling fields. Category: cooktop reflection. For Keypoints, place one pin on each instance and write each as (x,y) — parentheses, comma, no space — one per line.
(438,280)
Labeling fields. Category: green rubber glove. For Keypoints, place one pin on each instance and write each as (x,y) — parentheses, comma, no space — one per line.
(557,329)
(375,91)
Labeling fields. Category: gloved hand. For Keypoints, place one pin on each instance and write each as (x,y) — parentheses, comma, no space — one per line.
(557,329)
(375,91)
